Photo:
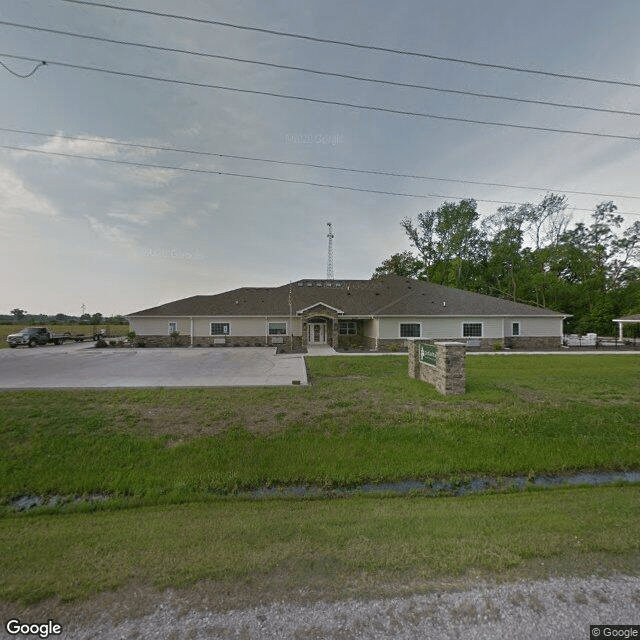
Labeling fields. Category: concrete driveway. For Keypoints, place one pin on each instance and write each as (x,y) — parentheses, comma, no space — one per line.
(83,366)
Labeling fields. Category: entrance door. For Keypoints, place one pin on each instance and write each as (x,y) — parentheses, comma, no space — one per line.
(317,333)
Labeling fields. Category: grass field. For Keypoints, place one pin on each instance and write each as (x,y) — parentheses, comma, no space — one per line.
(280,547)
(112,330)
(164,453)
(361,420)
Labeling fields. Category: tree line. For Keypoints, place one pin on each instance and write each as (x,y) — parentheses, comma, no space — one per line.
(530,253)
(18,316)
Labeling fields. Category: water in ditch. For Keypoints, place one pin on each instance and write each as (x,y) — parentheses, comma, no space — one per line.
(453,487)
(458,487)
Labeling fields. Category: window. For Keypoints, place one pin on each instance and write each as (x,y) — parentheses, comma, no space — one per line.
(173,328)
(410,330)
(347,327)
(472,330)
(219,328)
(277,328)
(515,329)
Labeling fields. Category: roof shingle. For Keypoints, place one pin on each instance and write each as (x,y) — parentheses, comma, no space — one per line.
(385,296)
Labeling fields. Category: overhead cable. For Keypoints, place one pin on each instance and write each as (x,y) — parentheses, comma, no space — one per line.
(332,74)
(265,178)
(337,103)
(23,75)
(355,45)
(329,167)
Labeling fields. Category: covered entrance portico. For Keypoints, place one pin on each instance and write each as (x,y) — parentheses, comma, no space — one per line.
(320,325)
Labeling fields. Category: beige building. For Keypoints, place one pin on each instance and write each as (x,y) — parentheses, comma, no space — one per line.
(377,314)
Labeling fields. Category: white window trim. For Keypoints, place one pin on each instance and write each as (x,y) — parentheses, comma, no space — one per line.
(408,323)
(171,324)
(219,334)
(354,322)
(471,322)
(286,328)
(513,324)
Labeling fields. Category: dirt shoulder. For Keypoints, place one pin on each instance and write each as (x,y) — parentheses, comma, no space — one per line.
(553,608)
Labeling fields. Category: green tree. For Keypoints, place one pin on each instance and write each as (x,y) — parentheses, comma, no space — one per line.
(449,243)
(96,318)
(18,314)
(400,264)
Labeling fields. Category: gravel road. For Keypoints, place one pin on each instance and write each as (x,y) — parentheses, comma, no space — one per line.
(561,608)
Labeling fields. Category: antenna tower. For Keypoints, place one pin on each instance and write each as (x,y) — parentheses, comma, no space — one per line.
(330,253)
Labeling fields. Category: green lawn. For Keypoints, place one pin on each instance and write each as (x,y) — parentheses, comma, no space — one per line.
(164,453)
(278,549)
(361,420)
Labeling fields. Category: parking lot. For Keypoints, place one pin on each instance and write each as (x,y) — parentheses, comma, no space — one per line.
(84,366)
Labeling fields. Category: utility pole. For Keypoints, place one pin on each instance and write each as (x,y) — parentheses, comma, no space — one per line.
(330,254)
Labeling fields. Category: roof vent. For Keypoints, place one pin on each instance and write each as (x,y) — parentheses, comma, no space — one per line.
(444,303)
(301,284)
(309,284)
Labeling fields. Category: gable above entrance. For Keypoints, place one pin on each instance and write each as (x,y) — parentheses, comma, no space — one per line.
(320,309)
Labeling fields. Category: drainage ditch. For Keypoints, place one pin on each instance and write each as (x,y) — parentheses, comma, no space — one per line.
(434,488)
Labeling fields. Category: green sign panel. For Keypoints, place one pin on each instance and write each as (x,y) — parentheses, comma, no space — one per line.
(428,354)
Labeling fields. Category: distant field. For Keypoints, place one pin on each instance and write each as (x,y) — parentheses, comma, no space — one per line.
(361,420)
(112,330)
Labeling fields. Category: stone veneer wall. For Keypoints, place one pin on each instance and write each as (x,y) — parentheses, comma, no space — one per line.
(207,341)
(449,374)
(161,341)
(550,343)
(391,344)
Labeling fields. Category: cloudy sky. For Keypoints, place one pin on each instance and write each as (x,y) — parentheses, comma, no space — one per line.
(120,237)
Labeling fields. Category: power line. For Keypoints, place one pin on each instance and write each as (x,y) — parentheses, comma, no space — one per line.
(329,167)
(337,103)
(355,45)
(23,75)
(266,178)
(332,74)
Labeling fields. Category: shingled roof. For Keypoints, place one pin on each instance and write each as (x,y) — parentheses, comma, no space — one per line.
(385,296)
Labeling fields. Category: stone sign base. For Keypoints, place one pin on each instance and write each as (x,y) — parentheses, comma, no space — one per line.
(448,374)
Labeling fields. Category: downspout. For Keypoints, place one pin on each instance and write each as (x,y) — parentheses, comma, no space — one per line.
(266,331)
(191,330)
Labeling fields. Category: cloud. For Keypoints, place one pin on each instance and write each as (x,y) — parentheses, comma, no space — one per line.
(94,147)
(105,148)
(16,199)
(149,177)
(117,234)
(142,213)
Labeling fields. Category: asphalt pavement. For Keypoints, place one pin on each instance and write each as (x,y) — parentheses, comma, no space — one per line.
(84,366)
